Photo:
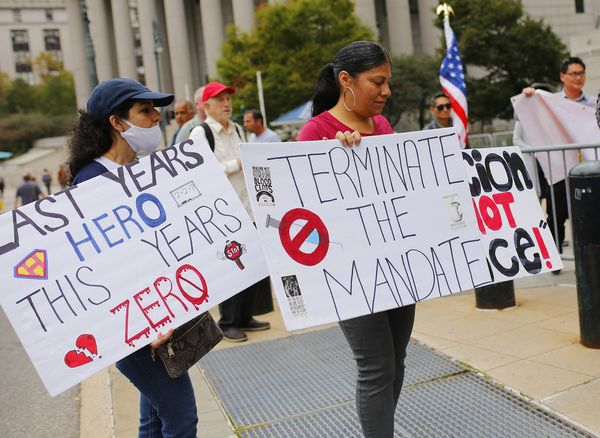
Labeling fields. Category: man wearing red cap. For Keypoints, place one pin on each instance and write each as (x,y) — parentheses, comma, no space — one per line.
(236,312)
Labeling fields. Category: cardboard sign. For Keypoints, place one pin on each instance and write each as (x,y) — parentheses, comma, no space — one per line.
(517,238)
(93,273)
(353,231)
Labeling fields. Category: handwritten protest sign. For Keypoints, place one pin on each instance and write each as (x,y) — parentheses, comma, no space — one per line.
(91,274)
(517,239)
(352,231)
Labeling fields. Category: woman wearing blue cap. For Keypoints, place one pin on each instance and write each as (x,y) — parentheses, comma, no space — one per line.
(121,122)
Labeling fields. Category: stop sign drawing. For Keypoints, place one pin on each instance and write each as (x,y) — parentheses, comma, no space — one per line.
(313,231)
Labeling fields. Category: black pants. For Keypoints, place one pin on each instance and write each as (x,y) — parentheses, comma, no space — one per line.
(238,310)
(562,211)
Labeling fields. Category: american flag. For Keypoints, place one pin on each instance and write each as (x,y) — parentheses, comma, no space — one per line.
(452,80)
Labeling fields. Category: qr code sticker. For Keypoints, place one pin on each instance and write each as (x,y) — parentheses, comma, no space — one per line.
(294,296)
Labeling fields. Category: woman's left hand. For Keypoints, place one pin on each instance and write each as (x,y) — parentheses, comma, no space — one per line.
(161,339)
(348,138)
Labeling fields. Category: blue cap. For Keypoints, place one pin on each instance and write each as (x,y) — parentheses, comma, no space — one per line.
(108,95)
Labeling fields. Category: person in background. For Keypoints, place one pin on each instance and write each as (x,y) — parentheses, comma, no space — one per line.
(119,123)
(255,125)
(28,191)
(184,111)
(47,180)
(63,176)
(1,186)
(349,98)
(236,312)
(572,75)
(186,129)
(441,110)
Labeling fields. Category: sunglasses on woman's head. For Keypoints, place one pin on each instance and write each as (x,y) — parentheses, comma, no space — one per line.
(444,105)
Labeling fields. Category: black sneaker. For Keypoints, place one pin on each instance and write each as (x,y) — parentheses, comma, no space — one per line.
(234,334)
(256,326)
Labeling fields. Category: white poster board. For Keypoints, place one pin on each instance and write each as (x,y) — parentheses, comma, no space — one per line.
(353,231)
(91,274)
(550,119)
(517,239)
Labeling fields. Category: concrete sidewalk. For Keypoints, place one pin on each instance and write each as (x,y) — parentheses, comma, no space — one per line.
(532,349)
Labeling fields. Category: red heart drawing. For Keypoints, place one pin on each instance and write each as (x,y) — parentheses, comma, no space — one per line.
(85,353)
(87,342)
(74,359)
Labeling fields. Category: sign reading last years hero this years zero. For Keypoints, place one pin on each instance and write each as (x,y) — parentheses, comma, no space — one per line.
(93,273)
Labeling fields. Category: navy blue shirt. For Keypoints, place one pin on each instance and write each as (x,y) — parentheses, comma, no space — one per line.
(89,171)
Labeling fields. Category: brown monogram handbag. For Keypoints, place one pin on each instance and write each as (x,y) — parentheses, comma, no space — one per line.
(188,344)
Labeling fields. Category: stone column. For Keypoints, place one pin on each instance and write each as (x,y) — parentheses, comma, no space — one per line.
(101,30)
(399,27)
(152,10)
(123,39)
(243,14)
(213,32)
(179,48)
(365,11)
(430,35)
(83,83)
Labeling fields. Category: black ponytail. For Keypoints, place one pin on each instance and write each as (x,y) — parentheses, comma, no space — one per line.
(326,92)
(354,58)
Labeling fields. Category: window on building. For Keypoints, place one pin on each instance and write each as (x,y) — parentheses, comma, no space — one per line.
(52,45)
(17,15)
(20,40)
(49,15)
(21,55)
(579,7)
(52,39)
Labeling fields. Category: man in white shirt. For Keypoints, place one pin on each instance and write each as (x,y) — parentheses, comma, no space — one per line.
(236,312)
(255,125)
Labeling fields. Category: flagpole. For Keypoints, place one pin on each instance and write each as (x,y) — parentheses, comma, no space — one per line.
(452,77)
(446,9)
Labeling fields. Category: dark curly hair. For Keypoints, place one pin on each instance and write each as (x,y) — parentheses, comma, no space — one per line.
(91,138)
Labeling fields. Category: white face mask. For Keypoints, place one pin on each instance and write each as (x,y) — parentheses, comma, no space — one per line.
(142,140)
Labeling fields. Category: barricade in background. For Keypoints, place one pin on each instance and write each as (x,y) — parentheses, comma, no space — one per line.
(584,180)
(549,153)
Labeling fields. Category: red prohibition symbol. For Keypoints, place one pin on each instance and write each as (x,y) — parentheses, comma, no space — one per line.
(292,245)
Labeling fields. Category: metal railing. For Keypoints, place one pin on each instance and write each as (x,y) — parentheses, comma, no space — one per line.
(549,153)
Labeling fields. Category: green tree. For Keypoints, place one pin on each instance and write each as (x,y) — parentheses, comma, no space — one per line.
(20,97)
(5,84)
(510,49)
(290,44)
(56,94)
(414,81)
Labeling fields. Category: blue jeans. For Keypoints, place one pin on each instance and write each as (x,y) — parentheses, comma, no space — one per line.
(167,406)
(379,343)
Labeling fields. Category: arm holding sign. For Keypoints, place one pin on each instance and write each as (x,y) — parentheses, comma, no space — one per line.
(349,97)
(120,122)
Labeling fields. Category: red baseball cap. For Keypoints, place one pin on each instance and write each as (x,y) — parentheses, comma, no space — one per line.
(213,89)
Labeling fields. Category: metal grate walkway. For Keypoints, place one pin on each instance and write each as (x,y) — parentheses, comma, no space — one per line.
(303,386)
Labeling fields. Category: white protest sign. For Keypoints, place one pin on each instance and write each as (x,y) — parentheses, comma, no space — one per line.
(550,119)
(517,238)
(353,231)
(91,274)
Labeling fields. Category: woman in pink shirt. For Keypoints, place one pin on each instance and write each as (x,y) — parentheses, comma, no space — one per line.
(349,97)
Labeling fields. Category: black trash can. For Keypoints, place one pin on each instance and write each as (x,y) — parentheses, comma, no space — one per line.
(584,182)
